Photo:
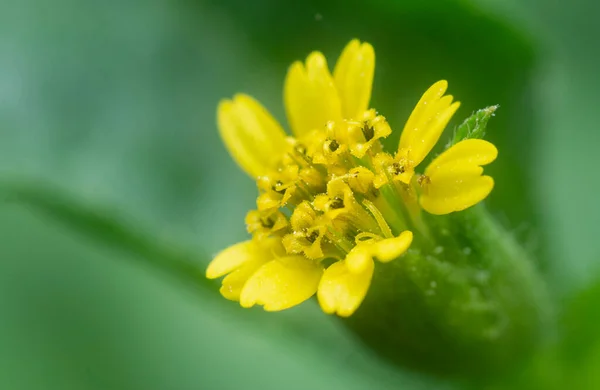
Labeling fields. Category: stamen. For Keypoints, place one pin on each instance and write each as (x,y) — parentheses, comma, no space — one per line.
(312,237)
(337,203)
(385,229)
(267,223)
(368,131)
(423,180)
(397,169)
(300,148)
(277,185)
(333,145)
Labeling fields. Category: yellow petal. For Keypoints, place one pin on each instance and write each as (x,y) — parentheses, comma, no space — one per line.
(427,122)
(232,258)
(310,96)
(446,176)
(392,248)
(470,151)
(433,130)
(454,177)
(282,283)
(359,258)
(232,284)
(353,76)
(462,194)
(411,128)
(342,291)
(252,136)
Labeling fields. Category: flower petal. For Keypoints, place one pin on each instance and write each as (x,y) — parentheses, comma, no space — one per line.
(434,129)
(463,194)
(455,182)
(392,248)
(232,284)
(468,152)
(342,291)
(411,129)
(310,97)
(427,122)
(353,76)
(359,258)
(282,283)
(447,175)
(252,136)
(232,258)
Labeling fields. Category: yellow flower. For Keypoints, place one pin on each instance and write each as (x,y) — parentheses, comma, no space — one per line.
(263,224)
(365,132)
(327,149)
(277,188)
(360,179)
(339,201)
(331,200)
(308,232)
(453,181)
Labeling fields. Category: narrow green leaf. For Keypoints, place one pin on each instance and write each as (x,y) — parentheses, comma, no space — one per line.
(474,126)
(110,228)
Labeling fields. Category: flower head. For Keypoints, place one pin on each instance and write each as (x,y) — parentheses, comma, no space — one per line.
(331,200)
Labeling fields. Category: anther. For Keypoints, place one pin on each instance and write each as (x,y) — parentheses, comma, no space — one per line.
(277,185)
(300,148)
(333,145)
(368,131)
(423,180)
(397,169)
(337,203)
(312,237)
(267,223)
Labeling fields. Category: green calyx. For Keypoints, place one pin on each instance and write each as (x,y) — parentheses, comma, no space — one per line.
(469,301)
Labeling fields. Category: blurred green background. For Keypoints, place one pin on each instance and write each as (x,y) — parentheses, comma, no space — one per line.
(107,115)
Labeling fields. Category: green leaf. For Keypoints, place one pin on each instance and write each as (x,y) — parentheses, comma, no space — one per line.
(474,126)
(109,227)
